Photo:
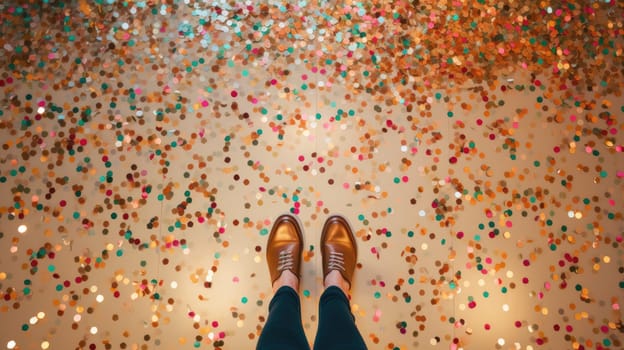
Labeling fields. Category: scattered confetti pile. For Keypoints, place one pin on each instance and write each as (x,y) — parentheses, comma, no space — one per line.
(475,147)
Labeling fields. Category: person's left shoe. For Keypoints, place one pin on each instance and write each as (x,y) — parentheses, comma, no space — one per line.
(284,247)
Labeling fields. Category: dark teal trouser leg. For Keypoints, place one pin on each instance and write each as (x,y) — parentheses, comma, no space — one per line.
(337,329)
(283,330)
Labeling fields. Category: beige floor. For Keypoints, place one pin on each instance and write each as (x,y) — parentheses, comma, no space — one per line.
(142,168)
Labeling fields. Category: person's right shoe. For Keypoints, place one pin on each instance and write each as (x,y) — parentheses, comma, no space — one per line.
(338,248)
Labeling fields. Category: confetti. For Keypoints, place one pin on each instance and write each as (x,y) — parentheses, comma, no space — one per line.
(475,147)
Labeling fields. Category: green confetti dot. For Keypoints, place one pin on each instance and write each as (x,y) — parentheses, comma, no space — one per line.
(119,252)
(377,295)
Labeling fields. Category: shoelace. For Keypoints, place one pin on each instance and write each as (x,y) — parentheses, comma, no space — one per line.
(335,261)
(285,260)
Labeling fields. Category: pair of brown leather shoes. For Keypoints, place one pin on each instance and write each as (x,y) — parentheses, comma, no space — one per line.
(285,245)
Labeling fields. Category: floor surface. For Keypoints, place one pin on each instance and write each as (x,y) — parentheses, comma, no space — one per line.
(474,146)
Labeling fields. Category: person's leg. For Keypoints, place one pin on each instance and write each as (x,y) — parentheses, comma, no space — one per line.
(284,330)
(337,329)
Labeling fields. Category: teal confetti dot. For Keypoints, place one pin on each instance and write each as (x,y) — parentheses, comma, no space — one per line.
(306,293)
(264,232)
(244,300)
(377,295)
(119,252)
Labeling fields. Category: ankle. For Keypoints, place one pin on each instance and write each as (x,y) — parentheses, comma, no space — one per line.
(288,279)
(335,278)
